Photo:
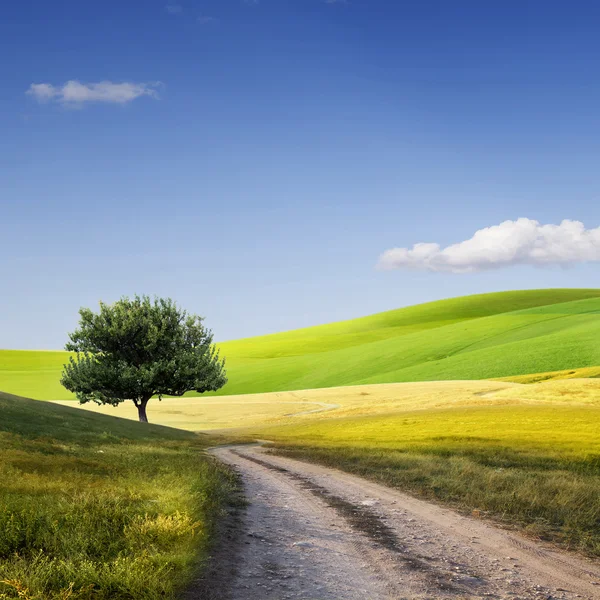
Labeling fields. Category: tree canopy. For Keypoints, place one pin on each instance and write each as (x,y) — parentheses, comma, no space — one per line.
(138,348)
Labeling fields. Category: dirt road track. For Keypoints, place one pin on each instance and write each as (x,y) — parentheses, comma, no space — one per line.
(314,533)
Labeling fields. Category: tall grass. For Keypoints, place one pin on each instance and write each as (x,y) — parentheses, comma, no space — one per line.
(92,507)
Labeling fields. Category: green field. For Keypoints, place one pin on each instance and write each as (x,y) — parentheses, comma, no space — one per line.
(95,507)
(476,337)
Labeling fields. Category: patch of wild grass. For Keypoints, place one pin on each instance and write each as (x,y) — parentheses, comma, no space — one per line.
(102,509)
(548,499)
(534,467)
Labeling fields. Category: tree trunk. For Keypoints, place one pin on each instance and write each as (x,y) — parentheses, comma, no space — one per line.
(141,406)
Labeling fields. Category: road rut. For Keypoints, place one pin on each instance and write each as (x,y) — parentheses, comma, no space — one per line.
(315,533)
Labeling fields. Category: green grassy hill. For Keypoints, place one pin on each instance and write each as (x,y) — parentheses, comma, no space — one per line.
(99,507)
(475,337)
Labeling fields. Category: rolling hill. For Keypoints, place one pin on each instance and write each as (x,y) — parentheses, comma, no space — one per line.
(475,337)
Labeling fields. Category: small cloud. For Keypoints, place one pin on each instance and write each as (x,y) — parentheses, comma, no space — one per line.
(42,91)
(251,2)
(76,94)
(206,20)
(174,9)
(520,242)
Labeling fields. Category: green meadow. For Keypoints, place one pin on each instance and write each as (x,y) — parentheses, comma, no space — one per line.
(33,374)
(476,337)
(95,507)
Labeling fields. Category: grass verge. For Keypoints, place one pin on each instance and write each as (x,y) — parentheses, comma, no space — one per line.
(95,507)
(536,467)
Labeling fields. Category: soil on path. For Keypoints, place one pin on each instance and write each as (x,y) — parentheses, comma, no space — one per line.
(314,533)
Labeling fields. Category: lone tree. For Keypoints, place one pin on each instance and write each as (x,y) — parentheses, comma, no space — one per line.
(138,348)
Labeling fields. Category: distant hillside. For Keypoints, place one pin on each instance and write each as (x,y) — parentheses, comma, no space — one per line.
(473,337)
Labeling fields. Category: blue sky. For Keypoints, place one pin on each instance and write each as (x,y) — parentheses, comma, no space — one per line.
(264,155)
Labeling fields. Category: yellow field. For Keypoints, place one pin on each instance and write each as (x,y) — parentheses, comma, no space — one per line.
(282,408)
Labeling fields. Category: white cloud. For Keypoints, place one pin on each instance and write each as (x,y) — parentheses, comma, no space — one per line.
(42,91)
(174,9)
(75,93)
(520,242)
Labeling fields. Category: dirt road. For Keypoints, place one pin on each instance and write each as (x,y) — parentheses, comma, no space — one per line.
(320,534)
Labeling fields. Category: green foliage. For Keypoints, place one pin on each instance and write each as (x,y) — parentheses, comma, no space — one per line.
(476,337)
(135,349)
(97,508)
